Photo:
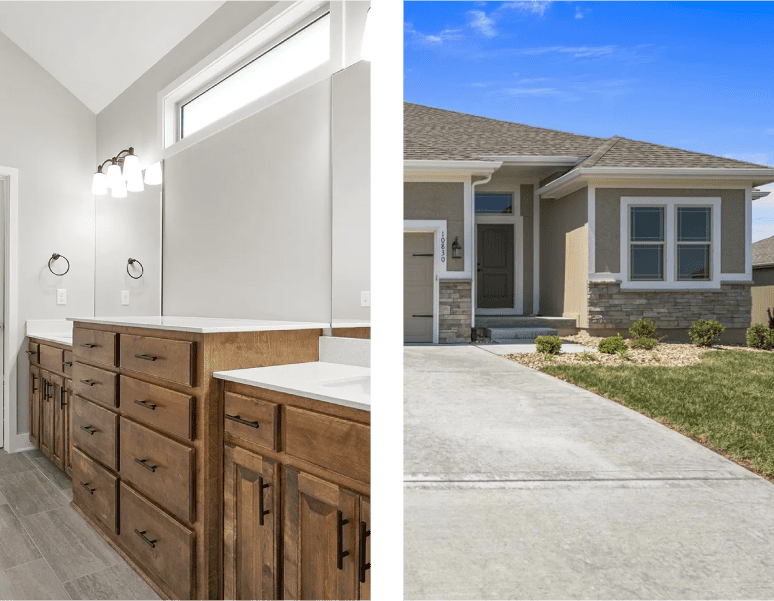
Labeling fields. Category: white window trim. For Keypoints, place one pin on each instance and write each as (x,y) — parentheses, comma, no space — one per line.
(437,227)
(670,281)
(267,28)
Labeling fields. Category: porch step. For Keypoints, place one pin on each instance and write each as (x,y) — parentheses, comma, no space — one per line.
(525,321)
(502,335)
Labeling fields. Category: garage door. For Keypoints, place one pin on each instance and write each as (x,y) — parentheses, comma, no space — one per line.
(418,287)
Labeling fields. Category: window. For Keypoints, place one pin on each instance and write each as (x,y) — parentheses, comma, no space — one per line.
(647,243)
(694,236)
(494,204)
(293,56)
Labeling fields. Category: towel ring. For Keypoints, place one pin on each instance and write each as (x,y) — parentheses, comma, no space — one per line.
(54,257)
(132,262)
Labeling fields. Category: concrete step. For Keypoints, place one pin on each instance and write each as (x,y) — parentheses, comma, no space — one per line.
(502,335)
(525,321)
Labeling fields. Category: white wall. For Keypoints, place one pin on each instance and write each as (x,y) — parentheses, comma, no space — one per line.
(50,137)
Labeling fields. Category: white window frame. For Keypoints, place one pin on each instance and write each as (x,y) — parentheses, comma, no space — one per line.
(670,280)
(276,24)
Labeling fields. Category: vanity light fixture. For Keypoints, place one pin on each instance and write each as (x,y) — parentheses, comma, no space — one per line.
(456,249)
(129,179)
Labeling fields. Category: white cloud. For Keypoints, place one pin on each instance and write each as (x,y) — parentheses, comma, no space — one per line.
(532,91)
(575,51)
(769,131)
(534,7)
(482,23)
(580,13)
(428,39)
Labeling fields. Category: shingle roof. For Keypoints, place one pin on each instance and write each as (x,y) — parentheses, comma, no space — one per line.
(763,252)
(437,134)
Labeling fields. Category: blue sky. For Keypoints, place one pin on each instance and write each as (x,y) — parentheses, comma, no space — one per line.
(694,75)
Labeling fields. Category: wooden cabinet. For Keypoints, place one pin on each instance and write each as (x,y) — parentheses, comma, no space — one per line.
(34,392)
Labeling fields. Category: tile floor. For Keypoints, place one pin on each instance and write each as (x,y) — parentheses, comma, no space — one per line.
(47,551)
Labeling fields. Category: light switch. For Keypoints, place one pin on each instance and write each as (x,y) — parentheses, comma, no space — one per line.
(365,298)
(61,296)
(124,297)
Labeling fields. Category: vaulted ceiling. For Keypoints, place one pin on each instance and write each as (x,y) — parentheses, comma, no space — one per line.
(98,49)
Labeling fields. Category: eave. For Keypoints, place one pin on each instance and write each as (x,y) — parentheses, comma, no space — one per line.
(453,168)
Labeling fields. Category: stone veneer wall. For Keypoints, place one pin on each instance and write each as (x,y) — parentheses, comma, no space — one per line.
(455,307)
(611,307)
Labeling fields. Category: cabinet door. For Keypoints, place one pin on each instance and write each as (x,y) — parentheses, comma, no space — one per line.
(364,548)
(59,442)
(321,525)
(251,526)
(34,390)
(67,391)
(46,414)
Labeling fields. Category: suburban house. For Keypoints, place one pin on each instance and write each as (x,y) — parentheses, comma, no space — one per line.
(508,225)
(763,279)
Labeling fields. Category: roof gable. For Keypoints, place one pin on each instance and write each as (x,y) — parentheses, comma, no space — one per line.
(763,252)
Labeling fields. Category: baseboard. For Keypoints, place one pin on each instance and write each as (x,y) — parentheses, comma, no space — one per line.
(19,443)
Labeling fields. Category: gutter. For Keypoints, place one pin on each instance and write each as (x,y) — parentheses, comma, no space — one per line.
(757,194)
(473,276)
(451,167)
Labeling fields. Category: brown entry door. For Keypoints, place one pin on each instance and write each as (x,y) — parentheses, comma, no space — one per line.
(495,266)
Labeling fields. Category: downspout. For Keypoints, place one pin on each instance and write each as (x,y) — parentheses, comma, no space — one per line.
(473,269)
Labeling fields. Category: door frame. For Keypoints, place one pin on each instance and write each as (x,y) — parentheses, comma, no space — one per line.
(518,258)
(437,227)
(10,439)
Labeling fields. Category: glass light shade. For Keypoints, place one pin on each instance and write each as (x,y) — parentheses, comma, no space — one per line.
(367,49)
(134,183)
(153,174)
(114,176)
(131,167)
(119,190)
(99,184)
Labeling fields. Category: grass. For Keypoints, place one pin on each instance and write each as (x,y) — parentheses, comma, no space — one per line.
(726,402)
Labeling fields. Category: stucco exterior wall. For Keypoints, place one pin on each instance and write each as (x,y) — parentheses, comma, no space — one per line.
(444,200)
(564,256)
(608,225)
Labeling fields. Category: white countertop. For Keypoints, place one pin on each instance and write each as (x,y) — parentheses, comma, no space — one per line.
(50,330)
(203,325)
(54,337)
(350,323)
(346,385)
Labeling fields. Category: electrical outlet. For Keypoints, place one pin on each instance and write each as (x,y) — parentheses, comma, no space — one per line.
(61,296)
(365,298)
(124,297)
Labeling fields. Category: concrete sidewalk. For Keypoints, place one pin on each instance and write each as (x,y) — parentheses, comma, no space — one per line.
(519,485)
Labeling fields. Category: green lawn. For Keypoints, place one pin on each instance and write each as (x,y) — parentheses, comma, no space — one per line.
(727,400)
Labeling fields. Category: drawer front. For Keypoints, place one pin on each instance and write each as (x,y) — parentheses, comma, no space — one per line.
(171,360)
(67,363)
(33,352)
(95,489)
(330,442)
(160,544)
(252,420)
(159,468)
(95,431)
(95,346)
(95,384)
(51,358)
(159,407)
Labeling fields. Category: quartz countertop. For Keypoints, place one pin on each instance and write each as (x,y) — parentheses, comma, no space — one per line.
(53,337)
(50,330)
(346,385)
(203,325)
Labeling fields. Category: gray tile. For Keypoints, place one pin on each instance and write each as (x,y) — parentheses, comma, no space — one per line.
(71,547)
(117,582)
(33,580)
(31,492)
(33,453)
(57,476)
(3,501)
(13,463)
(16,547)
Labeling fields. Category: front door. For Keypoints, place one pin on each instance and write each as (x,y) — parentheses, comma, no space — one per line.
(495,266)
(418,262)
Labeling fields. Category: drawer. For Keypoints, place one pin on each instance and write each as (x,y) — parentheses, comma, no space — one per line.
(51,358)
(95,489)
(160,544)
(95,431)
(33,352)
(67,363)
(330,442)
(159,467)
(171,360)
(95,384)
(159,407)
(252,420)
(95,346)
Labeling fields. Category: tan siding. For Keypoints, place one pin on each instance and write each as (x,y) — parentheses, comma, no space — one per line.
(527,199)
(763,276)
(762,299)
(444,200)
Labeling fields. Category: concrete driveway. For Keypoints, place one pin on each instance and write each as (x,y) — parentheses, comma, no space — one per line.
(518,485)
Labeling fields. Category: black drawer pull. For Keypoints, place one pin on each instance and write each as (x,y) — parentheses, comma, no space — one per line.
(90,429)
(421,316)
(236,418)
(146,404)
(261,511)
(62,393)
(87,345)
(364,534)
(30,353)
(86,486)
(67,363)
(34,381)
(340,553)
(89,382)
(143,462)
(152,543)
(146,357)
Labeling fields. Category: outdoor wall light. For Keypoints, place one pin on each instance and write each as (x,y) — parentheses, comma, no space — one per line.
(129,180)
(456,249)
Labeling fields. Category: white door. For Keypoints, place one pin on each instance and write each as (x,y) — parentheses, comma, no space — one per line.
(3,199)
(418,275)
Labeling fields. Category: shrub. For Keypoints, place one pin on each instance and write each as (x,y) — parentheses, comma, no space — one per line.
(704,332)
(548,345)
(643,328)
(612,344)
(759,336)
(646,344)
(586,356)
